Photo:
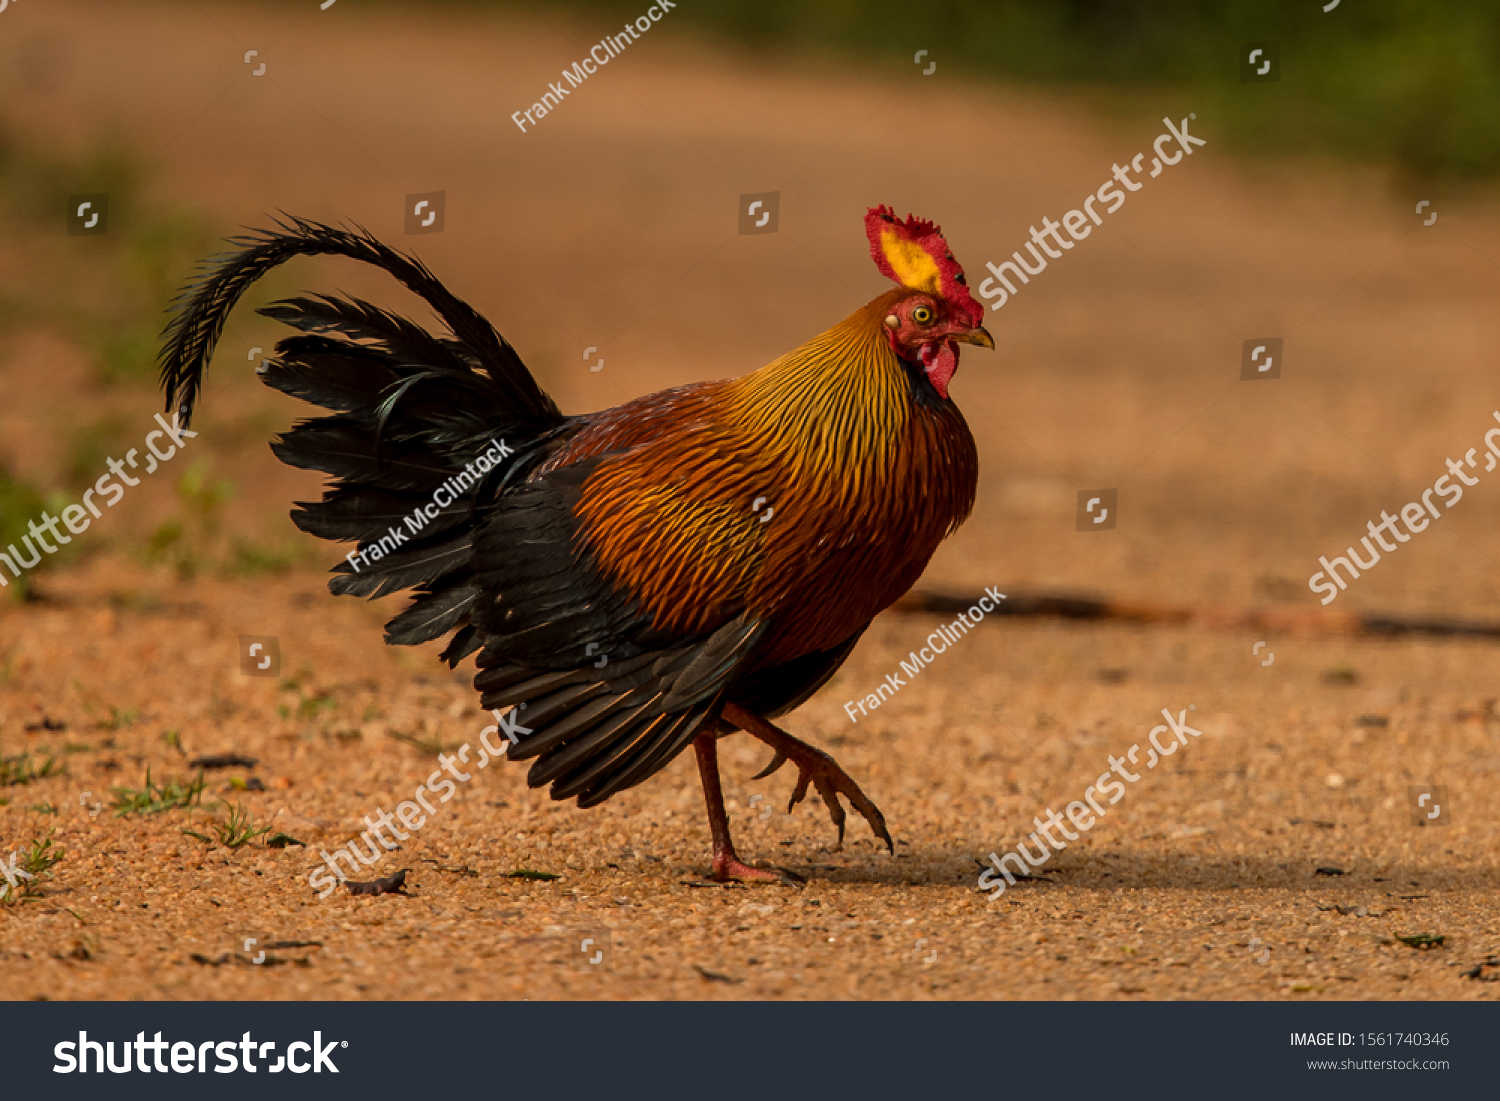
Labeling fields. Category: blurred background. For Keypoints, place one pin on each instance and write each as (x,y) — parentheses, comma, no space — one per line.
(1345,204)
(612,225)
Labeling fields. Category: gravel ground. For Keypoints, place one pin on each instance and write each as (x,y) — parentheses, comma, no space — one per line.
(1274,856)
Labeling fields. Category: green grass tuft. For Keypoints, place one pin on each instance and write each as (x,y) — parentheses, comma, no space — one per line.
(153,800)
(21,769)
(238,830)
(37,861)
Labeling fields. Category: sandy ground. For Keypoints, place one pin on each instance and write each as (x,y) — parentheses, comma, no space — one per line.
(613,225)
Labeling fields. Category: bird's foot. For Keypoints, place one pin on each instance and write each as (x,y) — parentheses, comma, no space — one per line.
(728,866)
(814,768)
(819,770)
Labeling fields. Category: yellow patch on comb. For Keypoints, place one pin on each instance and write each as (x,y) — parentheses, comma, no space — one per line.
(913,266)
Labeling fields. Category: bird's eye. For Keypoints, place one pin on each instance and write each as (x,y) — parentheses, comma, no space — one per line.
(922,315)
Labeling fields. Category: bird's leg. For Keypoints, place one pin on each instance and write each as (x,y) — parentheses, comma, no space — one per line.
(814,767)
(727,865)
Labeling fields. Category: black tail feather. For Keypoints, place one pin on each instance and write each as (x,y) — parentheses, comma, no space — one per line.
(204,306)
(412,412)
(433,614)
(334,374)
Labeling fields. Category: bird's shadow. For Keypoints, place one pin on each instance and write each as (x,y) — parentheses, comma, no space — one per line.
(1111,871)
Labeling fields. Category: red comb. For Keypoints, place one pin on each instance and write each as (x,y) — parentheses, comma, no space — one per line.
(914,254)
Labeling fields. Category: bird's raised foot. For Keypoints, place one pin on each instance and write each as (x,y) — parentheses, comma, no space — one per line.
(727,866)
(814,768)
(819,770)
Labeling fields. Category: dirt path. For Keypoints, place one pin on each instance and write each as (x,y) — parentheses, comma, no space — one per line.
(612,224)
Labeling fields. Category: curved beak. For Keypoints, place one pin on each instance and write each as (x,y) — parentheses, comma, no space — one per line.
(977,335)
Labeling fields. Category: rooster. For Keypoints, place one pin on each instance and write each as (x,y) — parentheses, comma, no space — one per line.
(615,573)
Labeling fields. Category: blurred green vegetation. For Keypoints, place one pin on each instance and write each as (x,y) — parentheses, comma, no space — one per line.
(114,309)
(35,187)
(90,445)
(193,538)
(151,258)
(184,540)
(139,263)
(1414,82)
(19,503)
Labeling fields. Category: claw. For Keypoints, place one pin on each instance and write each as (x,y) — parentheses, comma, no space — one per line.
(830,796)
(829,790)
(800,791)
(776,762)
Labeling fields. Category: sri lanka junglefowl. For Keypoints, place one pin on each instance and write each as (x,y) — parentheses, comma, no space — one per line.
(692,563)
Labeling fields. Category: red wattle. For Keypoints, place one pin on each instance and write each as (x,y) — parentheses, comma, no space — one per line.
(940,362)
